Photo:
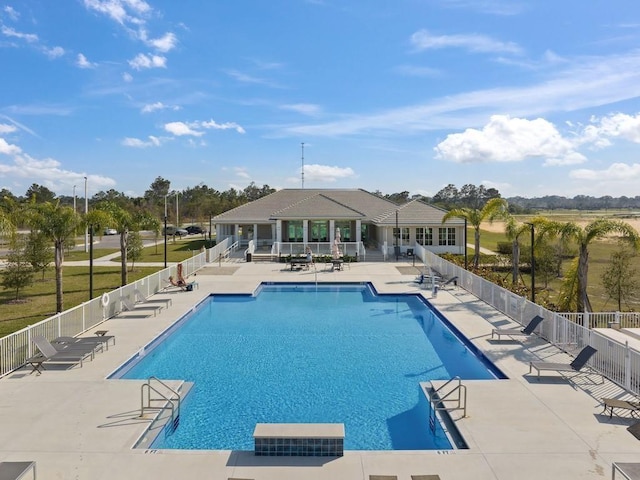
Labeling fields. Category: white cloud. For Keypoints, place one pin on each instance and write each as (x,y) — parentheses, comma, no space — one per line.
(122,11)
(180,128)
(127,77)
(242,172)
(148,61)
(10,32)
(137,143)
(211,124)
(506,139)
(423,40)
(11,13)
(152,107)
(616,172)
(48,172)
(54,52)
(8,149)
(163,44)
(303,108)
(326,173)
(4,128)
(618,125)
(82,62)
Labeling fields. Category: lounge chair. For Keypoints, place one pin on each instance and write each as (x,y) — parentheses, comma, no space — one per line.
(129,306)
(140,298)
(63,355)
(17,470)
(613,403)
(528,330)
(452,281)
(102,340)
(575,366)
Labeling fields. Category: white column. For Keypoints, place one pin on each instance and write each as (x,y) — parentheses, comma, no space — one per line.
(236,232)
(255,234)
(279,231)
(358,231)
(332,231)
(305,231)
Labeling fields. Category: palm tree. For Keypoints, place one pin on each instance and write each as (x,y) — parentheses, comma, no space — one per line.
(583,236)
(493,209)
(58,224)
(124,222)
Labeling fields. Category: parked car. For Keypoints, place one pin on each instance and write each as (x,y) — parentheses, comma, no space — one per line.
(110,231)
(175,231)
(194,229)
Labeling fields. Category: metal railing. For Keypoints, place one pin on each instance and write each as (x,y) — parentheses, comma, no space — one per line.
(17,347)
(171,401)
(568,331)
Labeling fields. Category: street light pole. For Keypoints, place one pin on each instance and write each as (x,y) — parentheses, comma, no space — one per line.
(165,231)
(177,215)
(86,210)
(396,246)
(533,265)
(466,258)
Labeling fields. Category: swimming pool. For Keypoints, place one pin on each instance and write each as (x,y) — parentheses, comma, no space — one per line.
(313,354)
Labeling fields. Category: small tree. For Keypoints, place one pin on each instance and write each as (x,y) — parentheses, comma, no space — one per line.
(134,248)
(39,252)
(619,278)
(18,272)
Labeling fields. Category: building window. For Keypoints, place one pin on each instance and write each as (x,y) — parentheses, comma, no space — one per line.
(447,236)
(345,231)
(294,231)
(424,236)
(404,235)
(319,231)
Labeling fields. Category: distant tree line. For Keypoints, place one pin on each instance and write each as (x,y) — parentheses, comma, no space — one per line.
(579,202)
(196,204)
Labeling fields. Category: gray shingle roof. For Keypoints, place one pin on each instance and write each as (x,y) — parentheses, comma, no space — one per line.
(294,204)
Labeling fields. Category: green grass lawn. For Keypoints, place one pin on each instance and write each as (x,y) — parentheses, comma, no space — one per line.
(38,301)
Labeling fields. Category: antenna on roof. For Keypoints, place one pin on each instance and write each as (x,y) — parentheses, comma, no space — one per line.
(302,170)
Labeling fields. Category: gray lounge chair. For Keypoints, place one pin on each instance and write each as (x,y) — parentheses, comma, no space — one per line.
(633,407)
(575,366)
(528,330)
(129,306)
(17,470)
(102,340)
(140,298)
(50,354)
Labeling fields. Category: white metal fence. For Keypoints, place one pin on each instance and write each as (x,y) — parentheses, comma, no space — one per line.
(17,347)
(568,331)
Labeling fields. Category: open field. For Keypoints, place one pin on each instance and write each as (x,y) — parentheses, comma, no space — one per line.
(599,253)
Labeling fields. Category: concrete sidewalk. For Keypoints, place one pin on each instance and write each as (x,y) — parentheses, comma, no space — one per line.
(75,424)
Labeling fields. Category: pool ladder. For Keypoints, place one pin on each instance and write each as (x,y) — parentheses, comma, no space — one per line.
(171,401)
(453,391)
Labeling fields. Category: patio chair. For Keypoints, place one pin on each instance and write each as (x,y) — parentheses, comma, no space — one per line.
(528,330)
(575,366)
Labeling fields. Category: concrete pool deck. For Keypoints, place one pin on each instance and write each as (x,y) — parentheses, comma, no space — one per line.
(77,425)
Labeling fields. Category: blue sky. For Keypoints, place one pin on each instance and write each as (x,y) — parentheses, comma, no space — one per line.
(530,97)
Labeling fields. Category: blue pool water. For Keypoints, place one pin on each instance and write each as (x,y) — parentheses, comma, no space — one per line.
(312,354)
